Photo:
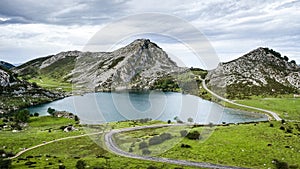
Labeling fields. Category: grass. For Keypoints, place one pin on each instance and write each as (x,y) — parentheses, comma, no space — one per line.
(51,83)
(35,133)
(68,152)
(287,108)
(237,145)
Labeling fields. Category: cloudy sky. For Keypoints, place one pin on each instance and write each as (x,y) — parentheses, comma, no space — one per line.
(30,29)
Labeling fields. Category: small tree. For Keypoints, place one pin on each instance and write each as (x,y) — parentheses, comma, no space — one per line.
(36,114)
(51,111)
(176,117)
(195,135)
(190,120)
(76,118)
(285,58)
(22,116)
(61,167)
(183,133)
(5,163)
(169,121)
(155,140)
(143,145)
(165,136)
(80,164)
(145,151)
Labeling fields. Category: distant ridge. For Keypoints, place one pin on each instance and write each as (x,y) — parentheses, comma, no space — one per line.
(6,65)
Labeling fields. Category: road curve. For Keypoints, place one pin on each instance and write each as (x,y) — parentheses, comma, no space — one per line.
(48,142)
(273,114)
(111,145)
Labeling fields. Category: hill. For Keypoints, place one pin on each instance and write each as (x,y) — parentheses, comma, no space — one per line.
(262,71)
(6,65)
(140,65)
(16,93)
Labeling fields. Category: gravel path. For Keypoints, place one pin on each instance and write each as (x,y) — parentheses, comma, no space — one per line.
(273,114)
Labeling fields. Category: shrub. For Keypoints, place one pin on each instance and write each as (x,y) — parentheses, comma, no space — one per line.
(159,139)
(22,116)
(185,146)
(155,140)
(76,118)
(36,114)
(51,111)
(145,151)
(271,125)
(61,167)
(80,164)
(195,135)
(191,120)
(281,164)
(183,133)
(165,136)
(143,145)
(5,163)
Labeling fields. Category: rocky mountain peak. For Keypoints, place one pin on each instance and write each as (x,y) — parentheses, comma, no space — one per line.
(136,65)
(262,70)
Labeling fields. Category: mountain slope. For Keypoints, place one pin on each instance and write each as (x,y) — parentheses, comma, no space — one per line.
(6,65)
(136,66)
(15,93)
(261,71)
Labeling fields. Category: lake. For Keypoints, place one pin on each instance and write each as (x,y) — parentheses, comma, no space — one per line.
(102,107)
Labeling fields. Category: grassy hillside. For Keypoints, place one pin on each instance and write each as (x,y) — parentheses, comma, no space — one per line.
(287,108)
(246,145)
(68,152)
(53,77)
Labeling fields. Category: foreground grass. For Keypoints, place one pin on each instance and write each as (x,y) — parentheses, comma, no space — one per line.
(243,145)
(247,145)
(287,108)
(39,129)
(68,152)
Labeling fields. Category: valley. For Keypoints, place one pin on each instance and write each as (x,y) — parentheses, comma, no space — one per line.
(261,79)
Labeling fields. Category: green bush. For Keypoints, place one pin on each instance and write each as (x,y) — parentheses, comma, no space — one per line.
(80,164)
(195,135)
(143,145)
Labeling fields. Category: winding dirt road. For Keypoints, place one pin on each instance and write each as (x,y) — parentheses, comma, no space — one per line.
(111,145)
(49,142)
(116,150)
(273,114)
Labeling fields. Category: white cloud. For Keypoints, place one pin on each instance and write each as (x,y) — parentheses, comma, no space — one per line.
(21,42)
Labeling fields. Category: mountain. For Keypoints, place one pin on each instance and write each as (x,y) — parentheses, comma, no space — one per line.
(6,65)
(16,93)
(261,71)
(140,65)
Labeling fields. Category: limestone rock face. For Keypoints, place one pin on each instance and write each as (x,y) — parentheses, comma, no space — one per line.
(135,66)
(259,70)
